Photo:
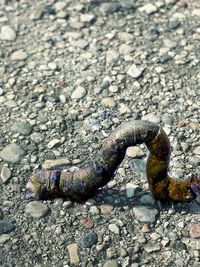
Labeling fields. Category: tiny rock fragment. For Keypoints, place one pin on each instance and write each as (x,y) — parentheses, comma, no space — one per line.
(135,71)
(73,253)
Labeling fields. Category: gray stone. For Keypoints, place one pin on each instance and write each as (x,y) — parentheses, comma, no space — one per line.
(78,93)
(22,127)
(114,228)
(152,118)
(149,9)
(111,263)
(145,214)
(12,153)
(4,238)
(88,240)
(147,200)
(5,174)
(37,209)
(152,248)
(131,189)
(138,165)
(53,143)
(7,33)
(135,71)
(197,150)
(19,55)
(6,227)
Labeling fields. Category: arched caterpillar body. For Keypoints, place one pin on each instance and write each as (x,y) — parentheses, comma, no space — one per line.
(84,182)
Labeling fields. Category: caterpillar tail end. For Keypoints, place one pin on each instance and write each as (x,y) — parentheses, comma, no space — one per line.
(37,186)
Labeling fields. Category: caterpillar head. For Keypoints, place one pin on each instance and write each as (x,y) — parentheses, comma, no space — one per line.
(38,185)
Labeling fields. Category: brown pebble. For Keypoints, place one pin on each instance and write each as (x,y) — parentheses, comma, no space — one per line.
(87,223)
(73,254)
(195,231)
(146,228)
(106,208)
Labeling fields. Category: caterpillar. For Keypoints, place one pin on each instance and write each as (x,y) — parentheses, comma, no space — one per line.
(85,182)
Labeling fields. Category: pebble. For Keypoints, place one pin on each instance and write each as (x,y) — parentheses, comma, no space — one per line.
(88,224)
(36,209)
(131,189)
(94,210)
(51,164)
(135,71)
(113,89)
(195,231)
(152,118)
(73,253)
(152,248)
(108,102)
(12,153)
(4,238)
(6,227)
(5,174)
(78,93)
(60,5)
(88,240)
(114,228)
(134,152)
(21,127)
(145,214)
(106,208)
(112,56)
(7,33)
(53,143)
(196,13)
(19,55)
(147,200)
(197,150)
(87,18)
(148,9)
(111,263)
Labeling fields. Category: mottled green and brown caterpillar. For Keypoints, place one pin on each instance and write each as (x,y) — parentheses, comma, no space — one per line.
(83,183)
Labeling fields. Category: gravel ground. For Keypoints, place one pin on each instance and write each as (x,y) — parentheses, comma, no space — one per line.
(70,72)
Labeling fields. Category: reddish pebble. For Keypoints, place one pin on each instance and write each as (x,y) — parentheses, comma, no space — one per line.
(87,223)
(195,231)
(182,4)
(181,124)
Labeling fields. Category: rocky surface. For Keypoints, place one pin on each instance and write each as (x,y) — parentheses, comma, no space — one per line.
(70,72)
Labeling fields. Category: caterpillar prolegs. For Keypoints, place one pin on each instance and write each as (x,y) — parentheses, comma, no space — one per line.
(83,183)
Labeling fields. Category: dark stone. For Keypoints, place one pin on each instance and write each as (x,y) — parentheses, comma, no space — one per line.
(174,24)
(88,240)
(6,227)
(165,58)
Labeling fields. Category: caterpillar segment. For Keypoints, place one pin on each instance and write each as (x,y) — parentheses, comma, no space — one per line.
(85,182)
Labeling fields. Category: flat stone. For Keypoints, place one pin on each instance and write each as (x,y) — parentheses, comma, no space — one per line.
(112,56)
(169,43)
(5,174)
(196,13)
(145,214)
(73,254)
(6,227)
(152,118)
(147,200)
(195,231)
(78,93)
(7,33)
(81,43)
(19,55)
(53,143)
(152,248)
(148,9)
(36,209)
(4,238)
(135,71)
(106,208)
(22,127)
(111,263)
(60,5)
(113,89)
(138,165)
(197,150)
(114,228)
(87,18)
(134,152)
(131,189)
(88,240)
(108,102)
(12,153)
(51,164)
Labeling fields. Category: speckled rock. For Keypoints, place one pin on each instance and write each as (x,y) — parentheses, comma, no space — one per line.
(12,153)
(36,209)
(145,214)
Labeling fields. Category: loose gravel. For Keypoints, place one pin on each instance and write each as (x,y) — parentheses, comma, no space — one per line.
(70,72)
